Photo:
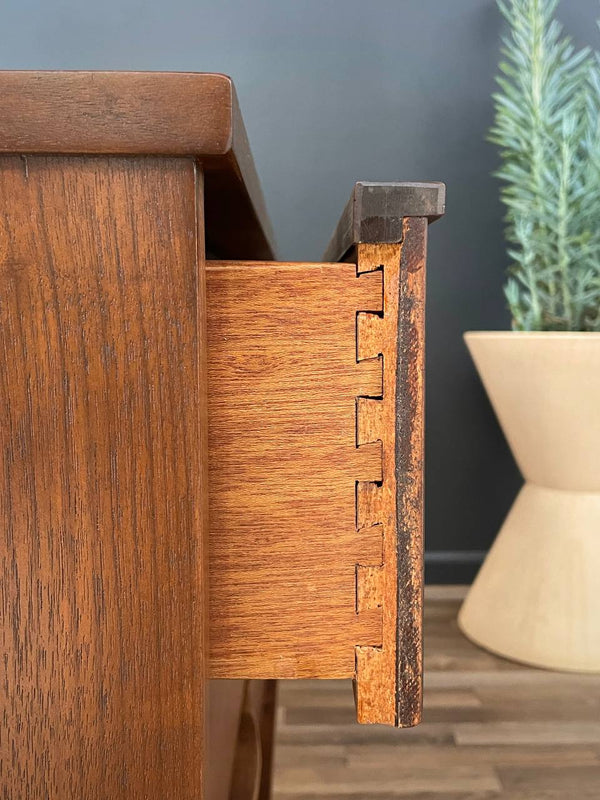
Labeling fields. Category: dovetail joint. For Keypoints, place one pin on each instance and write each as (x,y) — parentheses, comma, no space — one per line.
(369,422)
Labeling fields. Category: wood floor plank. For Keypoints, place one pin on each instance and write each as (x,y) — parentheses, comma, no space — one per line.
(369,756)
(492,730)
(573,702)
(559,777)
(527,733)
(398,777)
(320,715)
(421,756)
(452,652)
(484,795)
(425,733)
(550,794)
(306,698)
(510,679)
(445,594)
(451,699)
(289,755)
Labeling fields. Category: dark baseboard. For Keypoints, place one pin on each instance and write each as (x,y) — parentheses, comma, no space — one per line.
(452,566)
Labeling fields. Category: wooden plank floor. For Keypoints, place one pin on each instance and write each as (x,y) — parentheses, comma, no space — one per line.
(491,729)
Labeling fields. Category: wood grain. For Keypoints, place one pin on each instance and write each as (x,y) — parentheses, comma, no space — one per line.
(283,383)
(410,456)
(103,484)
(147,113)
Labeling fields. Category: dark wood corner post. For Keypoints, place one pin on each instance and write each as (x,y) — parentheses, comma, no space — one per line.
(384,227)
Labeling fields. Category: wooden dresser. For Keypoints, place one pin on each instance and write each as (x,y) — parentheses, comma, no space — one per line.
(211,469)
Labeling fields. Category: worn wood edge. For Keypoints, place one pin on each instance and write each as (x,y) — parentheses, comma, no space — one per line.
(147,113)
(375,213)
(409,465)
(389,678)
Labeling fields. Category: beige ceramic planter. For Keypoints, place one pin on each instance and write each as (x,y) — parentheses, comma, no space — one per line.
(537,596)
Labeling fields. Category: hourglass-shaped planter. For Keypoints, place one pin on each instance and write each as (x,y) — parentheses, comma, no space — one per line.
(536,598)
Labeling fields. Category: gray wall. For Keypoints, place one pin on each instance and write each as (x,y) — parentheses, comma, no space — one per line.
(333,91)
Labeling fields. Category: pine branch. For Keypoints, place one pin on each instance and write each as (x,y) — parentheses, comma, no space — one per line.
(547,113)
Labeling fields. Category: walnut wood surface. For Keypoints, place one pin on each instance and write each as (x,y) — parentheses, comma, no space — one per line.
(283,383)
(147,113)
(103,485)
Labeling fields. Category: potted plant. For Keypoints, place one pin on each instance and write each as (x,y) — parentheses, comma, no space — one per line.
(536,598)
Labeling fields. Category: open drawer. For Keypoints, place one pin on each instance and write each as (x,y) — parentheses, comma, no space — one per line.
(315,375)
